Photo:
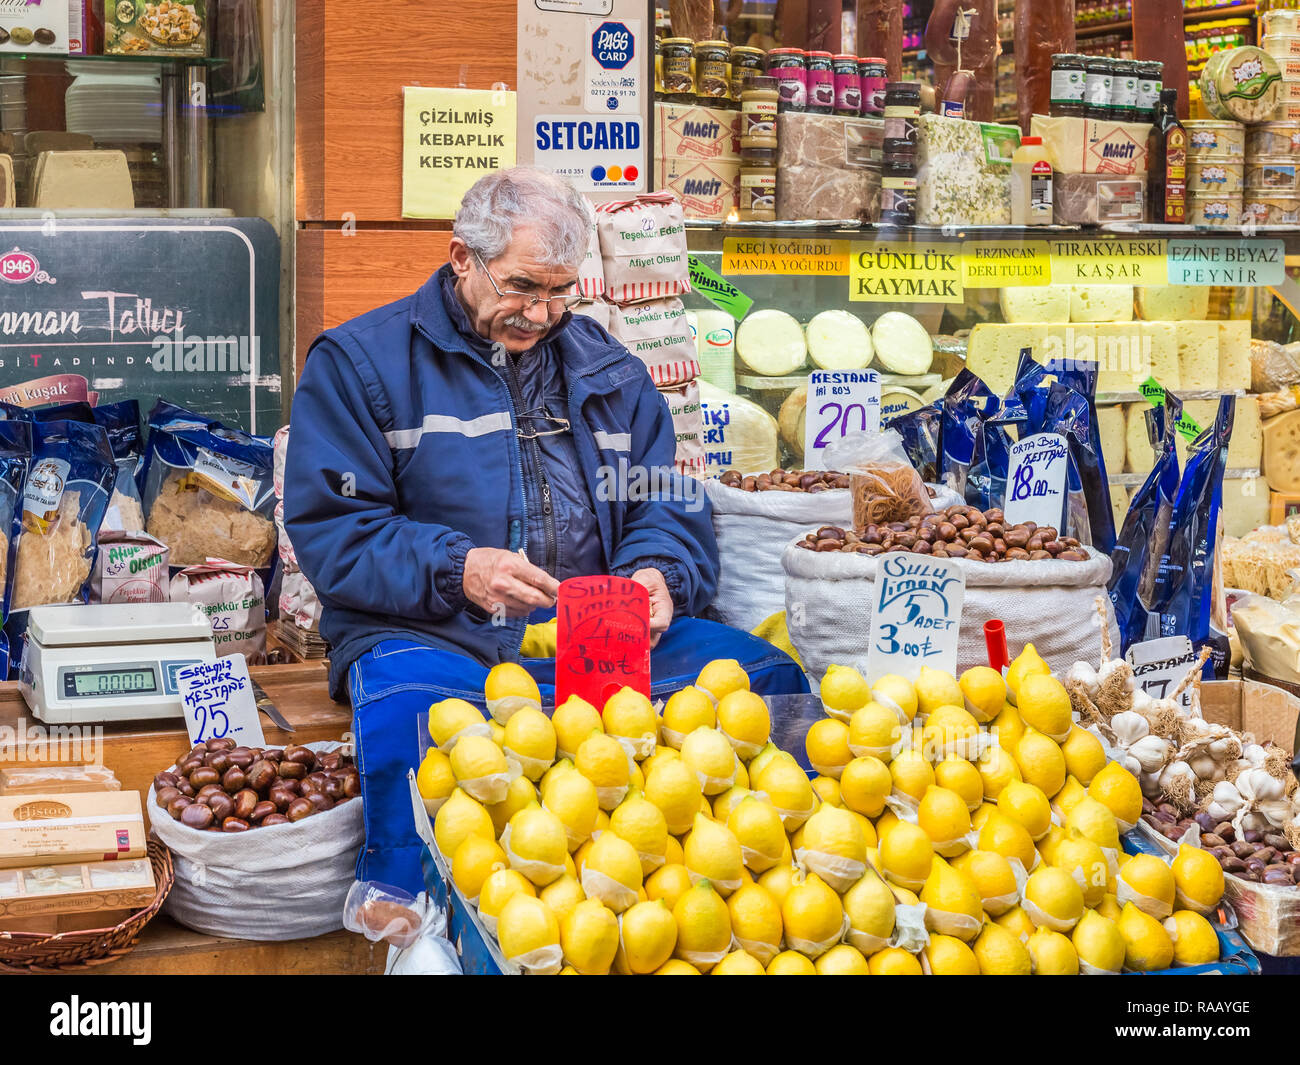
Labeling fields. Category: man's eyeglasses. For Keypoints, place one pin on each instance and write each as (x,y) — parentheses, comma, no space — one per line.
(527,300)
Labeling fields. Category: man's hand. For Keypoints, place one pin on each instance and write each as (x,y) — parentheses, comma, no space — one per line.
(496,579)
(661,603)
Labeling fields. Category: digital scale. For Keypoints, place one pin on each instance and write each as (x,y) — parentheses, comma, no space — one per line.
(110,662)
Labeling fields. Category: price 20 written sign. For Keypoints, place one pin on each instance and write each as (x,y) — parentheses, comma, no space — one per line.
(915,615)
(1036,480)
(602,638)
(218,700)
(839,402)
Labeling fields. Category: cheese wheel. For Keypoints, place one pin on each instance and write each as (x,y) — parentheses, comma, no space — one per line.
(838,340)
(791,417)
(895,401)
(738,433)
(903,345)
(771,343)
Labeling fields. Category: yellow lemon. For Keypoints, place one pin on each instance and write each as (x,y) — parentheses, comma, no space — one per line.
(475,860)
(1044,704)
(1109,907)
(1027,663)
(906,855)
(1148,883)
(508,689)
(669,882)
(712,853)
(1000,953)
(994,880)
(738,963)
(1007,838)
(869,905)
(518,795)
(1118,790)
(757,827)
(1026,804)
(1041,762)
(573,799)
(984,692)
(721,677)
(529,934)
(574,720)
(953,905)
(498,733)
(897,694)
(1193,937)
(1008,727)
(685,711)
(710,756)
(435,780)
(603,761)
(864,784)
(791,963)
(812,916)
(677,967)
(950,730)
(935,688)
(642,824)
(612,872)
(944,817)
(912,774)
(757,764)
(744,719)
(1091,819)
(726,802)
(1147,946)
(674,852)
(1017,922)
(1083,860)
(1198,879)
(778,880)
(827,745)
(1052,954)
(843,690)
(589,938)
(788,789)
(562,895)
(958,775)
(996,769)
(1084,755)
(875,731)
(480,768)
(1064,800)
(842,960)
(948,956)
(894,961)
(756,921)
(630,716)
(1098,944)
(530,738)
(498,889)
(459,817)
(674,788)
(536,844)
(1053,899)
(703,927)
(828,790)
(649,934)
(834,847)
(452,718)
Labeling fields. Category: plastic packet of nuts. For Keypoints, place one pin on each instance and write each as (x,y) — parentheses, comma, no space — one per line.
(381,912)
(884,485)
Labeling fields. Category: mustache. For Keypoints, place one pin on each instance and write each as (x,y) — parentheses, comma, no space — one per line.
(518,321)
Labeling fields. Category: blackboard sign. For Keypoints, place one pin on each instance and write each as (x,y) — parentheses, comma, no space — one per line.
(110,309)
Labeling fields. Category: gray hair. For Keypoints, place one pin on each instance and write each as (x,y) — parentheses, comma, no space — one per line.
(496,204)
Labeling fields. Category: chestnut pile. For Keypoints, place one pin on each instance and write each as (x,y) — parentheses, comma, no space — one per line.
(810,481)
(221,787)
(1261,857)
(958,532)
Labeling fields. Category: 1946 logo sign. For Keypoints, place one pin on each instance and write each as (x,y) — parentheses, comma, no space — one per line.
(18,266)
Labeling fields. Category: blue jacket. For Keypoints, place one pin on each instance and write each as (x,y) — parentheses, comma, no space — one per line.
(404,455)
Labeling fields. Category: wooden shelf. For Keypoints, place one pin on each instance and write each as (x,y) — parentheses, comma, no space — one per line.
(1206,14)
(1103,28)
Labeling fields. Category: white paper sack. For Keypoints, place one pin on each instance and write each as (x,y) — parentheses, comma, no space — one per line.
(643,247)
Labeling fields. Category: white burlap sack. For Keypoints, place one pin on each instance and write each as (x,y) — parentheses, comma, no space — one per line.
(753,528)
(829,597)
(283,882)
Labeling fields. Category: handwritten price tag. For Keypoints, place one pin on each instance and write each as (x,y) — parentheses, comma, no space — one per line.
(1036,480)
(916,616)
(1161,664)
(602,639)
(839,403)
(218,700)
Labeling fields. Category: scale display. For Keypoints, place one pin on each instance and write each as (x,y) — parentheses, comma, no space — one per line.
(119,680)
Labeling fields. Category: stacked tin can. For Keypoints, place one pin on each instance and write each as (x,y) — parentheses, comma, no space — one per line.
(1216,167)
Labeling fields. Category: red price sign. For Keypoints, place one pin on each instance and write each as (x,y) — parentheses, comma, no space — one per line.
(602,639)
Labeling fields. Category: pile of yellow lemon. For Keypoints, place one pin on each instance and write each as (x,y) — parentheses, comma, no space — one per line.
(953,827)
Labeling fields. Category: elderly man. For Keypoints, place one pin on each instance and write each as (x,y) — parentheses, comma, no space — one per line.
(449,466)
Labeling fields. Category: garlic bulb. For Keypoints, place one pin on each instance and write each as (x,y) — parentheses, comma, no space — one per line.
(1083,674)
(1223,749)
(1205,767)
(1252,822)
(1129,727)
(1113,666)
(1255,785)
(1175,771)
(1152,753)
(1254,755)
(1150,783)
(1131,764)
(1225,801)
(1278,811)
(1141,702)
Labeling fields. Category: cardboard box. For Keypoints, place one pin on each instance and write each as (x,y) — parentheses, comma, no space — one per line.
(1266,710)
(143,28)
(708,190)
(57,779)
(1080,199)
(1089,146)
(91,887)
(70,828)
(34,26)
(684,131)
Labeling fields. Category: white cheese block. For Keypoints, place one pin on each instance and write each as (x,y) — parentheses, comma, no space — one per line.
(1198,355)
(1119,500)
(993,352)
(1246,445)
(1123,356)
(1234,355)
(83,179)
(1101,303)
(738,433)
(1245,505)
(1173,303)
(1110,422)
(771,343)
(839,340)
(902,344)
(1141,455)
(1160,345)
(1039,303)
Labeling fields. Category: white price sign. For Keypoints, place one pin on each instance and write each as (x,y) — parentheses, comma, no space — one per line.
(915,615)
(1036,480)
(218,700)
(839,402)
(1160,665)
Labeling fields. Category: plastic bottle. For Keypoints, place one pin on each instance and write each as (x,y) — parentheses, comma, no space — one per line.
(1031,184)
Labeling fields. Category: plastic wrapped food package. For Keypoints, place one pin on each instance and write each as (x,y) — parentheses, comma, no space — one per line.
(198,525)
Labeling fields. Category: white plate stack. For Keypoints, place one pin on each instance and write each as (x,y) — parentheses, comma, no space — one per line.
(124,105)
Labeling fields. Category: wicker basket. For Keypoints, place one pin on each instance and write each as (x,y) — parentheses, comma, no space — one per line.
(33,952)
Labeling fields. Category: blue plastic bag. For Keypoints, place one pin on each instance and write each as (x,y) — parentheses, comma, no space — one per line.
(15,455)
(920,432)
